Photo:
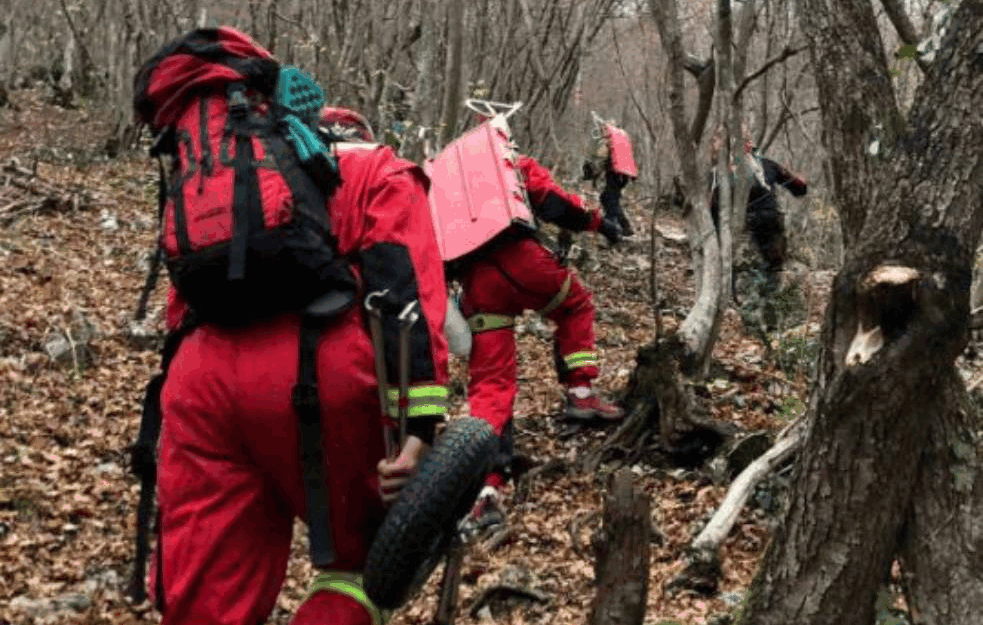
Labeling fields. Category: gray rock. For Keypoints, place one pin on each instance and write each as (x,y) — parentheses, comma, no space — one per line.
(42,609)
(108,221)
(70,346)
(732,599)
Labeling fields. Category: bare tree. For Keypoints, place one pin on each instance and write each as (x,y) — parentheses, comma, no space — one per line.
(696,331)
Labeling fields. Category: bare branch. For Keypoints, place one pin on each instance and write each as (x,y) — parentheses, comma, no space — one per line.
(785,54)
(631,88)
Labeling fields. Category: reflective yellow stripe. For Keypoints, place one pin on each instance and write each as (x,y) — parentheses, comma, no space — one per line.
(483,322)
(558,299)
(420,409)
(580,359)
(579,356)
(420,392)
(424,401)
(584,359)
(583,363)
(350,585)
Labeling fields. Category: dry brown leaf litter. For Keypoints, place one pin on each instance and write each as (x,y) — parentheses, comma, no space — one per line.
(67,501)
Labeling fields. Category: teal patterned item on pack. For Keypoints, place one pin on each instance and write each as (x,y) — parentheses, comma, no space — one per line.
(301,99)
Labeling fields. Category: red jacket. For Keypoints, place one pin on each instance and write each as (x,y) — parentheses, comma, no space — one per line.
(550,202)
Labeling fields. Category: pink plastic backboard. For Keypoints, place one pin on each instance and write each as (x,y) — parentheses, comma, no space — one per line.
(475,192)
(622,158)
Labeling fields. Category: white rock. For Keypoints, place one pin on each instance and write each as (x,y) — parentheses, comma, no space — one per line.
(108,221)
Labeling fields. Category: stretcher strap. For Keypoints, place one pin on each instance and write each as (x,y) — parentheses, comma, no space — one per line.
(580,359)
(350,585)
(559,298)
(424,401)
(483,322)
(143,463)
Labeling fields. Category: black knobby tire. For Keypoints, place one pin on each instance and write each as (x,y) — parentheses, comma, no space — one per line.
(418,528)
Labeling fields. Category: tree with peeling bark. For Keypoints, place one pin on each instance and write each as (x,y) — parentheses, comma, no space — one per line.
(891,467)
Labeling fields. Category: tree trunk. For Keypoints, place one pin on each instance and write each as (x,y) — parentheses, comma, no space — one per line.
(453,75)
(622,568)
(726,198)
(424,92)
(976,292)
(698,329)
(943,541)
(889,464)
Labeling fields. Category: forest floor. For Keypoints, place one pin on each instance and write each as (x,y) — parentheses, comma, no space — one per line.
(76,230)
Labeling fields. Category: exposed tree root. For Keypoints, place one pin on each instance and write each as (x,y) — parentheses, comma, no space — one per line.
(662,413)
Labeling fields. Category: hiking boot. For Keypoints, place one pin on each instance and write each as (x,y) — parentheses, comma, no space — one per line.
(591,408)
(626,227)
(487,515)
(328,602)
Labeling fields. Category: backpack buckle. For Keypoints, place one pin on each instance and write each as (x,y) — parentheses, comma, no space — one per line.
(165,142)
(238,102)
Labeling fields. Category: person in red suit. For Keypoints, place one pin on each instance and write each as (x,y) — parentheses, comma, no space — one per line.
(514,273)
(230,483)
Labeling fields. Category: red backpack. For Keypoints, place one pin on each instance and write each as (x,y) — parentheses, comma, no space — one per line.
(244,226)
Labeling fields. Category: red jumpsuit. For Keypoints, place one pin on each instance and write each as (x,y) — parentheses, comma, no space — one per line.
(516,273)
(229,482)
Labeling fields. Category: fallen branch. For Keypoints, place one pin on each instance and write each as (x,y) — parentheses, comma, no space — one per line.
(495,542)
(450,584)
(506,590)
(702,571)
(574,528)
(32,194)
(553,468)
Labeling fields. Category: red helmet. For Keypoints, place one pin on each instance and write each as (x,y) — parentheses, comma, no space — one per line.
(346,123)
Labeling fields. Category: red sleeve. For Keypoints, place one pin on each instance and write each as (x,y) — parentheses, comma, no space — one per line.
(381,217)
(550,202)
(796,185)
(398,251)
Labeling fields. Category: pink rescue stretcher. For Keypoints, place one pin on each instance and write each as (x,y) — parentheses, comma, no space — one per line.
(475,190)
(622,158)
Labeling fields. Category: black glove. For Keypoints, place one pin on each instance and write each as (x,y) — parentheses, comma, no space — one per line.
(610,229)
(590,172)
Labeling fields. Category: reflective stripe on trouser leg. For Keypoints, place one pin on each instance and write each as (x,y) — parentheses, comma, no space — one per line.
(580,359)
(348,584)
